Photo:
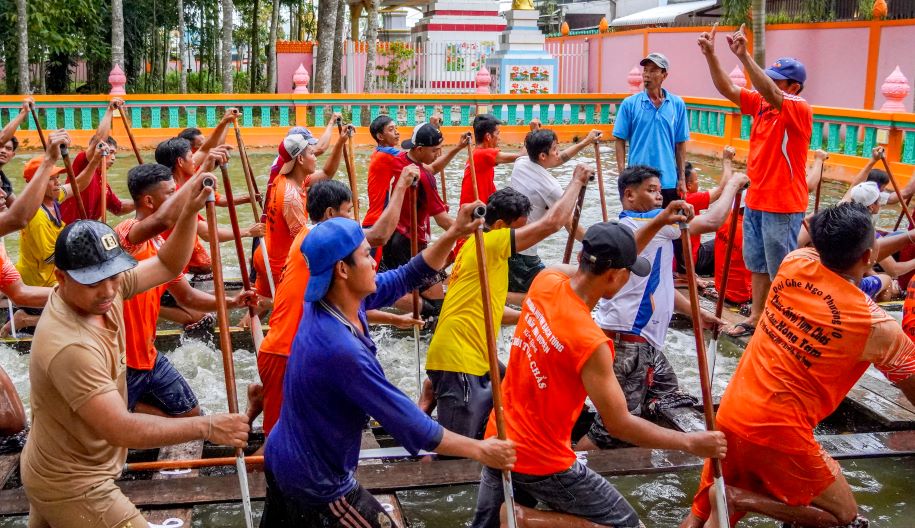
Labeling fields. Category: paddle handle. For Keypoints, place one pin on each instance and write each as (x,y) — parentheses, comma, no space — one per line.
(236,233)
(728,251)
(44,142)
(103,183)
(816,200)
(253,191)
(600,182)
(350,170)
(576,217)
(902,202)
(125,118)
(222,313)
(71,179)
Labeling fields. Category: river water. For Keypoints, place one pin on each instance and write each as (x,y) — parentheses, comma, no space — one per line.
(883,487)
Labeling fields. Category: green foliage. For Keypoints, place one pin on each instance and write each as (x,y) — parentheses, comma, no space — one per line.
(736,12)
(399,56)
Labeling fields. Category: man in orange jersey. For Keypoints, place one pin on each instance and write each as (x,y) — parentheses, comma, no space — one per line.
(154,386)
(326,199)
(779,139)
(559,356)
(284,207)
(818,334)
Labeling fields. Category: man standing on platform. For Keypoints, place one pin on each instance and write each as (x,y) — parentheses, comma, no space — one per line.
(655,125)
(776,165)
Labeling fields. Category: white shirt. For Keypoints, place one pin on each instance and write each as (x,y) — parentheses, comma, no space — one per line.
(540,187)
(644,305)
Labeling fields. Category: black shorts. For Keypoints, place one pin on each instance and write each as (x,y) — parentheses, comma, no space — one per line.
(464,401)
(397,252)
(705,259)
(522,270)
(356,508)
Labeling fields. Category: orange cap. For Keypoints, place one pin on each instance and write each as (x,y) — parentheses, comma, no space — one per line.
(31,167)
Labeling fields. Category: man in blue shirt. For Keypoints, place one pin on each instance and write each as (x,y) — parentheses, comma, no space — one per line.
(655,124)
(334,382)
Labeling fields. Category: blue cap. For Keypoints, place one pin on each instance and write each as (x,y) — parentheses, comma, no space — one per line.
(787,69)
(328,243)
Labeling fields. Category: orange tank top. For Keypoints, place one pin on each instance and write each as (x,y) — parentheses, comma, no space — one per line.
(803,358)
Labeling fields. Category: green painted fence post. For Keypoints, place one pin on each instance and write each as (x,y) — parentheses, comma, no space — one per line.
(429,110)
(50,118)
(746,126)
(816,138)
(528,113)
(545,113)
(589,114)
(908,147)
(870,140)
(605,114)
(392,112)
(574,118)
(497,111)
(851,140)
(69,123)
(446,115)
(265,116)
(832,141)
(85,115)
(190,113)
(172,117)
(156,117)
(411,115)
(247,116)
(693,120)
(703,122)
(319,115)
(211,116)
(465,115)
(284,116)
(357,114)
(374,112)
(136,117)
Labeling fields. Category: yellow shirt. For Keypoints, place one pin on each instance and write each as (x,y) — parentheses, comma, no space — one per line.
(459,343)
(36,249)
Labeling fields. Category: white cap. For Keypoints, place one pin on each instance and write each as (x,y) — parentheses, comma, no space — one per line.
(866,193)
(292,147)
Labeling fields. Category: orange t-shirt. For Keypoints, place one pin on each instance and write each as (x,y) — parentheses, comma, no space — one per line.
(141,312)
(777,163)
(740,280)
(542,390)
(287,304)
(817,336)
(280,232)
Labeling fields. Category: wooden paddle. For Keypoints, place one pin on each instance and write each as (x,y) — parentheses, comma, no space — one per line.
(225,343)
(902,203)
(600,181)
(704,379)
(44,143)
(103,182)
(350,170)
(71,180)
(816,200)
(492,350)
(257,203)
(722,292)
(125,118)
(576,217)
(414,249)
(257,332)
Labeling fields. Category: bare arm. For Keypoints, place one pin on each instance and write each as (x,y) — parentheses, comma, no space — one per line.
(509,157)
(195,299)
(620,146)
(727,170)
(761,82)
(10,129)
(442,161)
(443,220)
(104,129)
(378,234)
(226,234)
(558,215)
(324,141)
(436,255)
(24,295)
(718,211)
(333,161)
(83,178)
(815,172)
(218,137)
(605,392)
(491,452)
(720,78)
(108,417)
(680,156)
(571,151)
(27,203)
(888,245)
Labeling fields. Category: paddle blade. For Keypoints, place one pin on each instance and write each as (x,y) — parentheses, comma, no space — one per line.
(245,492)
(257,332)
(509,492)
(721,503)
(710,356)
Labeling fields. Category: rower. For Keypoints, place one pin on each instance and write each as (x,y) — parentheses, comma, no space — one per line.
(321,144)
(819,334)
(201,145)
(8,146)
(382,164)
(81,428)
(457,363)
(486,155)
(559,356)
(326,199)
(531,177)
(154,386)
(334,382)
(637,318)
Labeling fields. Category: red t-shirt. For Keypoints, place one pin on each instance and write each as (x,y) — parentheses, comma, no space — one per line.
(740,280)
(700,202)
(543,391)
(777,163)
(484,160)
(384,166)
(91,195)
(428,203)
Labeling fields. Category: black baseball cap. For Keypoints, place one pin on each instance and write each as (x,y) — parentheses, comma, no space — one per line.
(424,135)
(89,252)
(613,245)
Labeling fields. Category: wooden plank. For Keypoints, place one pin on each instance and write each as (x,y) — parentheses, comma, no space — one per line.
(166,340)
(392,505)
(414,474)
(686,419)
(883,387)
(8,466)
(881,409)
(368,440)
(185,451)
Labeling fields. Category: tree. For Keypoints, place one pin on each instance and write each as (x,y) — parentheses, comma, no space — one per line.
(22,26)
(255,51)
(371,36)
(182,49)
(117,33)
(271,50)
(758,8)
(337,67)
(228,70)
(327,20)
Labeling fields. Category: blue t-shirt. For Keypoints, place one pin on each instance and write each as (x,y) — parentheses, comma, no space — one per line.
(653,133)
(333,383)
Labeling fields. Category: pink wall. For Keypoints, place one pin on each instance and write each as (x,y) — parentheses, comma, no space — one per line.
(688,74)
(896,45)
(620,54)
(286,65)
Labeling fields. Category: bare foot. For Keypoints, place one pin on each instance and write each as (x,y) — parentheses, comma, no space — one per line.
(255,401)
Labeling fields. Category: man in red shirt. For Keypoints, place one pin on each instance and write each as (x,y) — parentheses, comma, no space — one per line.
(779,139)
(486,155)
(703,254)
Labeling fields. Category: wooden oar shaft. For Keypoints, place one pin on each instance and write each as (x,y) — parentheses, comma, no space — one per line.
(902,214)
(350,170)
(71,179)
(125,118)
(600,182)
(728,251)
(576,217)
(44,143)
(159,465)
(894,183)
(816,200)
(103,183)
(253,191)
(704,381)
(414,243)
(222,314)
(236,232)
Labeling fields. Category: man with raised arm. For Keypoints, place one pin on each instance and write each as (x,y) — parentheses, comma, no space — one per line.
(779,139)
(559,356)
(9,144)
(334,382)
(81,428)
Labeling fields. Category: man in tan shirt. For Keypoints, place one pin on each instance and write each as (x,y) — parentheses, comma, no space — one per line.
(81,428)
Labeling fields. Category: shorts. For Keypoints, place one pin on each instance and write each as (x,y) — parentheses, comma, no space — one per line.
(577,491)
(163,387)
(794,479)
(871,285)
(644,374)
(464,401)
(522,270)
(104,506)
(768,238)
(705,259)
(356,508)
(200,261)
(272,370)
(397,252)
